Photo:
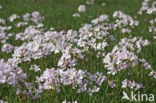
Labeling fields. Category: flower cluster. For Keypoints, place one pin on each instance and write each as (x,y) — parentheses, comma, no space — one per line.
(100,19)
(152,27)
(81,9)
(13,17)
(20,24)
(7,48)
(131,84)
(112,84)
(78,79)
(71,45)
(10,73)
(122,55)
(147,8)
(124,21)
(148,67)
(90,2)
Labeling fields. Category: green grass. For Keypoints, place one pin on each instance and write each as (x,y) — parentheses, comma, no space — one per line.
(58,14)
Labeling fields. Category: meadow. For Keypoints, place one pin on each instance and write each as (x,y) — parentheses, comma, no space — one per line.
(77,51)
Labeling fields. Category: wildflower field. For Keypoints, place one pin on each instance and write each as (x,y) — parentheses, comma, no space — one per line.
(77,51)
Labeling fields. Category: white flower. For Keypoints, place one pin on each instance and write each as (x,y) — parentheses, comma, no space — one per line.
(26,17)
(35,67)
(103,4)
(82,8)
(1,6)
(33,46)
(76,15)
(124,83)
(21,24)
(2,21)
(7,48)
(13,17)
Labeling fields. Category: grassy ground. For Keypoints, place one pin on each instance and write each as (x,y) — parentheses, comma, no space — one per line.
(58,14)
